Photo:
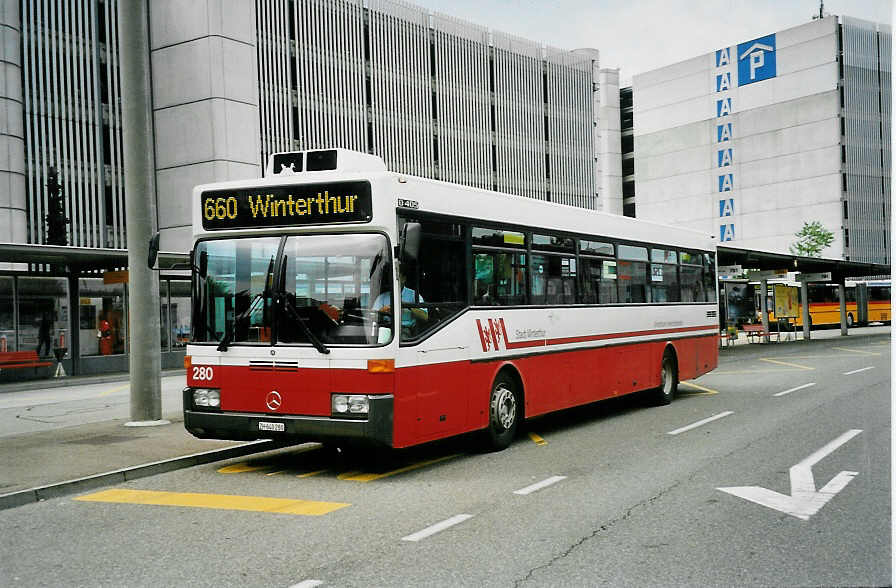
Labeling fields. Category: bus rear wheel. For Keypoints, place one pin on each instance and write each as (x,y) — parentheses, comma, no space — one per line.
(668,380)
(504,412)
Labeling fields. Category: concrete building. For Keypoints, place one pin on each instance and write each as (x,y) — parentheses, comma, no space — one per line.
(234,81)
(750,141)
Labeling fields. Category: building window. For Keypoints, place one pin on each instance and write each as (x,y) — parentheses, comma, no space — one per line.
(7,314)
(102,318)
(163,314)
(42,314)
(179,313)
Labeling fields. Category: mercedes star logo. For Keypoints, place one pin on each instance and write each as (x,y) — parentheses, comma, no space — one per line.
(273,400)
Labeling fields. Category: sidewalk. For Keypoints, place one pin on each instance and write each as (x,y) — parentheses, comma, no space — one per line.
(817,334)
(74,458)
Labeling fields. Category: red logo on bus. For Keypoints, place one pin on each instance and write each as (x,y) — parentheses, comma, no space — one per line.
(492,334)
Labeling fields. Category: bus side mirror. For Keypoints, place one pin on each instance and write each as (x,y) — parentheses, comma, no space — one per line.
(409,242)
(203,264)
(153,250)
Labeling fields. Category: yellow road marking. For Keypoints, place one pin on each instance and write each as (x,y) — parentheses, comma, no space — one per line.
(795,365)
(706,391)
(275,473)
(357,476)
(114,390)
(538,440)
(217,501)
(309,474)
(240,468)
(858,351)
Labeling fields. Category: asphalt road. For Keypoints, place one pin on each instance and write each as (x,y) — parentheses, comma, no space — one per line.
(618,493)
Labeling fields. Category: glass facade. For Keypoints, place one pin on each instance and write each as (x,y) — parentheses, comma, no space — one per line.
(36,314)
(42,314)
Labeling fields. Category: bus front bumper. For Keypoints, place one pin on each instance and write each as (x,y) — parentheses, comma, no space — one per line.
(213,424)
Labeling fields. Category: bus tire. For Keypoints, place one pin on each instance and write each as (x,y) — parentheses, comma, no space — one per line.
(668,380)
(504,410)
(850,321)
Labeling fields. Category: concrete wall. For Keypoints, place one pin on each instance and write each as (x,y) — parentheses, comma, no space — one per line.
(609,143)
(205,103)
(13,221)
(746,161)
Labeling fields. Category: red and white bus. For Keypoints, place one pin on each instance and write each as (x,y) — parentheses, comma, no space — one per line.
(509,307)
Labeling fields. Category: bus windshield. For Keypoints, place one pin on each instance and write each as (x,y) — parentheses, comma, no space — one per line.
(324,292)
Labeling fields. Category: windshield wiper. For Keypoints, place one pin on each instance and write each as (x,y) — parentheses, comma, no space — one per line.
(238,319)
(294,315)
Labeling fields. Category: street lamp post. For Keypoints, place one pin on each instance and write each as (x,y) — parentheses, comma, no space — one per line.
(140,194)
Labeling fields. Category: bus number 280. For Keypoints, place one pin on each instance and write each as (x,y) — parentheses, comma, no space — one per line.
(203,373)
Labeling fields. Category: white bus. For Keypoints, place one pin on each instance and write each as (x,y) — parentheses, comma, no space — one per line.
(508,307)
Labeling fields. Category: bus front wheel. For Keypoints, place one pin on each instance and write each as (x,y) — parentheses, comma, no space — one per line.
(503,412)
(668,380)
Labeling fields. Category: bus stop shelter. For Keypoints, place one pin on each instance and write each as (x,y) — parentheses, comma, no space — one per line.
(808,270)
(54,296)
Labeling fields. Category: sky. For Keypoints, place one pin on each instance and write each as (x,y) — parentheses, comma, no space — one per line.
(641,35)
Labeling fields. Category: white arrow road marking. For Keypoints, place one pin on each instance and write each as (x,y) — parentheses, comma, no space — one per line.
(804,501)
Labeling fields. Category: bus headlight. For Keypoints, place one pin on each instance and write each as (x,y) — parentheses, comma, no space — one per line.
(210,397)
(350,405)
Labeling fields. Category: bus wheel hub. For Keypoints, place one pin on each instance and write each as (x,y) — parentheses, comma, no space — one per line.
(503,407)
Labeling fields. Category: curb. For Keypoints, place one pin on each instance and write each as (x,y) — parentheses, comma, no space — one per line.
(23,497)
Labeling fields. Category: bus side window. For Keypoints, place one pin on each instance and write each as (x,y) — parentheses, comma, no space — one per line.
(483,279)
(438,277)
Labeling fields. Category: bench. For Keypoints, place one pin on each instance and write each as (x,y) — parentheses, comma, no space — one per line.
(727,337)
(21,359)
(756,331)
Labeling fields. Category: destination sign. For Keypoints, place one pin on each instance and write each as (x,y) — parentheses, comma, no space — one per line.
(286,206)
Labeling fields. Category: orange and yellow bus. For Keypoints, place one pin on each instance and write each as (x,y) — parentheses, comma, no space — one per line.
(866,302)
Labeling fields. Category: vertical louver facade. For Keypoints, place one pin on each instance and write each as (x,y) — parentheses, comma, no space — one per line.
(866,106)
(73,117)
(432,95)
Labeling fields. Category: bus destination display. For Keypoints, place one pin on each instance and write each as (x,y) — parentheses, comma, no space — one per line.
(286,206)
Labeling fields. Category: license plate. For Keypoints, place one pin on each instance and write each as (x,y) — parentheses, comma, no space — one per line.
(263,426)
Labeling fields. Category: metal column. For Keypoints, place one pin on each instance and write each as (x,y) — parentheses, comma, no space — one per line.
(804,303)
(841,293)
(139,173)
(763,305)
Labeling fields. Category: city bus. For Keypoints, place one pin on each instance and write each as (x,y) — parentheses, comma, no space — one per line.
(866,302)
(337,301)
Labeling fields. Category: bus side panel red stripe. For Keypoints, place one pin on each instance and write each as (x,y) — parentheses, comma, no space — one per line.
(446,399)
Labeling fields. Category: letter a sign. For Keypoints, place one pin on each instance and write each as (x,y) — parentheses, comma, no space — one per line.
(723,57)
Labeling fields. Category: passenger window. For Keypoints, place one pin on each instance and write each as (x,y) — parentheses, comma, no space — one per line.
(553,279)
(709,276)
(632,280)
(434,288)
(499,278)
(598,281)
(664,282)
(692,284)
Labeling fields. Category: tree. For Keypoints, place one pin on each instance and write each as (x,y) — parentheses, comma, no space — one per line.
(812,239)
